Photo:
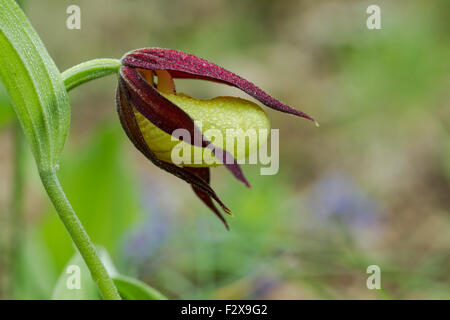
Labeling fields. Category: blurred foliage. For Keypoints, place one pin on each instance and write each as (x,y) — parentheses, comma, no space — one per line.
(369,187)
(6,110)
(101,190)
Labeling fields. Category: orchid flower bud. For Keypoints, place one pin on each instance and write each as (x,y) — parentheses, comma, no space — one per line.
(152,114)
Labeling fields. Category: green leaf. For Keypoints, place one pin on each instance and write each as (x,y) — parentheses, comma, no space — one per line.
(6,110)
(77,271)
(133,289)
(129,288)
(34,85)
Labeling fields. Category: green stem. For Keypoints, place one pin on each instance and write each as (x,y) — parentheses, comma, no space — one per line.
(39,97)
(74,77)
(89,70)
(79,235)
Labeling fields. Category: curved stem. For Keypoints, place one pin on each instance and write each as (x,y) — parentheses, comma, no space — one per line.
(79,235)
(88,71)
(74,77)
(41,102)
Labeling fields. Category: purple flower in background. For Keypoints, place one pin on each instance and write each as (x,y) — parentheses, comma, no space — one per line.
(336,196)
(145,240)
(261,287)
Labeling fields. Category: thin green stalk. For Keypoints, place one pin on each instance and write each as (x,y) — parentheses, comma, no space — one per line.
(73,77)
(40,100)
(17,216)
(79,235)
(88,71)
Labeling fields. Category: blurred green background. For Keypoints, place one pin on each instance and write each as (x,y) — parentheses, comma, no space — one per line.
(370,186)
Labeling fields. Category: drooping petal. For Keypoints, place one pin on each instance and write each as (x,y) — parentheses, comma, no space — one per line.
(239,125)
(204,173)
(184,65)
(129,124)
(169,117)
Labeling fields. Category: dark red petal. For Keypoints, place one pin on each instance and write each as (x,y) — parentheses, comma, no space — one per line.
(204,173)
(168,117)
(129,124)
(184,65)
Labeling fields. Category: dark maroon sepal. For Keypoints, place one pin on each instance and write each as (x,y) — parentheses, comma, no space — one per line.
(204,173)
(131,127)
(183,65)
(168,117)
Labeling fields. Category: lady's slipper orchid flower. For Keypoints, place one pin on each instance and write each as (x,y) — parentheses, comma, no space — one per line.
(150,113)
